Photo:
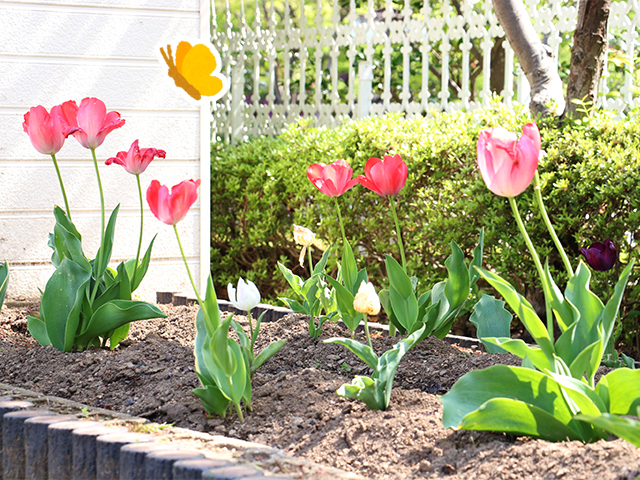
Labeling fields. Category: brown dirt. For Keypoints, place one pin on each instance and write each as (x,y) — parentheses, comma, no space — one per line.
(295,406)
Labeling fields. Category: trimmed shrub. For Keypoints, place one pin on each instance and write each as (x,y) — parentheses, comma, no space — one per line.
(590,179)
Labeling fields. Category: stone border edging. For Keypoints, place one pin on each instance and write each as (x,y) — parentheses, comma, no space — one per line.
(97,451)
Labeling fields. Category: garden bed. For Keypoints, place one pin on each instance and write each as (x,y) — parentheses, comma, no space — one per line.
(151,375)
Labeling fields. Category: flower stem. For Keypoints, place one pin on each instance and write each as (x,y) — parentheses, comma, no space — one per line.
(64,193)
(344,237)
(310,261)
(536,260)
(366,330)
(95,164)
(250,328)
(102,232)
(552,232)
(400,246)
(184,259)
(135,268)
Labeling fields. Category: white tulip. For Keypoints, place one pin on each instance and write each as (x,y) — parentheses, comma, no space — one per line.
(248,296)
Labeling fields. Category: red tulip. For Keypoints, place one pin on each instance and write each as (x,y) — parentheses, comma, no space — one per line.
(47,131)
(136,160)
(385,177)
(171,207)
(600,256)
(332,180)
(92,120)
(507,164)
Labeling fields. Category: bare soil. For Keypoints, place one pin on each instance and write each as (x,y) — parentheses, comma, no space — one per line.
(295,406)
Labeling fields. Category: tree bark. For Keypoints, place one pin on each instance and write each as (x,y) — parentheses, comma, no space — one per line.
(587,55)
(536,59)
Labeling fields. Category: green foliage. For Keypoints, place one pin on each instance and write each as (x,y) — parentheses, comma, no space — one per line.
(545,405)
(589,182)
(4,281)
(375,392)
(84,302)
(225,366)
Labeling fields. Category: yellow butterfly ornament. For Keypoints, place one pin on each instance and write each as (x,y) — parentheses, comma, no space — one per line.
(196,70)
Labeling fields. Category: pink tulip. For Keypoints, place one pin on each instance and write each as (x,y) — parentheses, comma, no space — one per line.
(92,120)
(385,177)
(507,164)
(332,180)
(171,207)
(136,160)
(47,131)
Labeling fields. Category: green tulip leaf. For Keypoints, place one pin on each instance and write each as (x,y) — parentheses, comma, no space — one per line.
(610,313)
(475,388)
(401,295)
(212,399)
(363,352)
(533,354)
(344,299)
(586,302)
(222,356)
(519,418)
(104,252)
(565,313)
(62,219)
(61,303)
(364,389)
(118,335)
(625,428)
(477,260)
(211,309)
(266,354)
(68,245)
(457,284)
(141,269)
(294,280)
(320,266)
(491,320)
(4,281)
(349,269)
(124,282)
(38,330)
(116,313)
(620,391)
(523,309)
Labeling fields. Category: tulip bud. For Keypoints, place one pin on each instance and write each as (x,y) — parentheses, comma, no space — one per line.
(303,236)
(366,300)
(248,296)
(600,256)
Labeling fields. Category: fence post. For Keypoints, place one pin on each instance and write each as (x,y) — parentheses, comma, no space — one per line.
(365,77)
(237,103)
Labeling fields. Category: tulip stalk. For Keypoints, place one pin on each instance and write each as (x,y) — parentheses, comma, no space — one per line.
(135,267)
(400,246)
(366,330)
(184,259)
(344,237)
(64,193)
(552,232)
(100,250)
(536,260)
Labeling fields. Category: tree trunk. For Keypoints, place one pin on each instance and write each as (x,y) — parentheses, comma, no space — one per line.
(536,59)
(587,55)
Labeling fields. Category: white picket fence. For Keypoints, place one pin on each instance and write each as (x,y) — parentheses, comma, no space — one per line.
(387,60)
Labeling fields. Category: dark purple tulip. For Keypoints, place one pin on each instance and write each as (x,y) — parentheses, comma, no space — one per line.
(600,256)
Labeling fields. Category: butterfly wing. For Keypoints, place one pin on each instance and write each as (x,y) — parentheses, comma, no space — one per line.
(181,51)
(197,66)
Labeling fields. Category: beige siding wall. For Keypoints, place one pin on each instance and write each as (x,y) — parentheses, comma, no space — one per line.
(54,51)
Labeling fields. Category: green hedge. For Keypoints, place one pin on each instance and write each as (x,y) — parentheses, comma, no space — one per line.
(591,186)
